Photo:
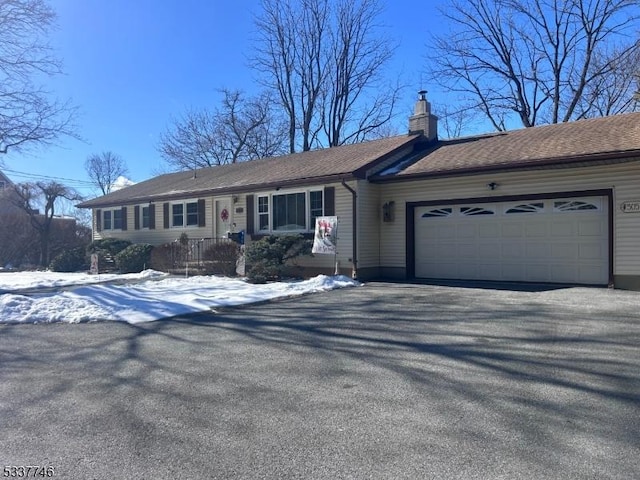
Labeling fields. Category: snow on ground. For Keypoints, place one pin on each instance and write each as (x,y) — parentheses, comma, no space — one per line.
(142,301)
(12,281)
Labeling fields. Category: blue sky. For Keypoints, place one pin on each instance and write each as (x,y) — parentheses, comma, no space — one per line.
(130,65)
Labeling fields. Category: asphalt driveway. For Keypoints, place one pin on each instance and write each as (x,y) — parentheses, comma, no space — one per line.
(382,381)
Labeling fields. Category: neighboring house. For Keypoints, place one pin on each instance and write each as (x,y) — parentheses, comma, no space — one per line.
(18,237)
(7,205)
(4,182)
(557,203)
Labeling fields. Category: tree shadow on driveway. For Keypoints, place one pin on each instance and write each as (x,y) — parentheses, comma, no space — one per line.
(384,381)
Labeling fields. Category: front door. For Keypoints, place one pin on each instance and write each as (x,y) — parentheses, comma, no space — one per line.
(224,217)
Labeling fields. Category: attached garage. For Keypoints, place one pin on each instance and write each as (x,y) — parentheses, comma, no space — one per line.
(564,239)
(549,204)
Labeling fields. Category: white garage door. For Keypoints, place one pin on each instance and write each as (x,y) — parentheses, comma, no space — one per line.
(561,240)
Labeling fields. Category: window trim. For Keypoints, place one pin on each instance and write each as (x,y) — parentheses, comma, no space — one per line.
(111,212)
(185,214)
(270,210)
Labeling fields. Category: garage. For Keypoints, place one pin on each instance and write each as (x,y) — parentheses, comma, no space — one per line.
(559,240)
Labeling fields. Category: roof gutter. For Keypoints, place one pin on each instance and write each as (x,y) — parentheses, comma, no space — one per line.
(354,236)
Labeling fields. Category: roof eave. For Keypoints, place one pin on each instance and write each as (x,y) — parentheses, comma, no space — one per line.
(302,182)
(629,155)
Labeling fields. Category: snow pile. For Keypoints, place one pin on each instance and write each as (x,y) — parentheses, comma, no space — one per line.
(144,301)
(37,280)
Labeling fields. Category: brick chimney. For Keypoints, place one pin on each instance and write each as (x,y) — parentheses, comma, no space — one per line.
(422,121)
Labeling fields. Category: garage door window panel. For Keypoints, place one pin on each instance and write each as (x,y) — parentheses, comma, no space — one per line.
(574,206)
(438,213)
(476,211)
(536,207)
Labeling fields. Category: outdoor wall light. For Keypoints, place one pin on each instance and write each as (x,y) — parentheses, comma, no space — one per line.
(388,211)
(492,185)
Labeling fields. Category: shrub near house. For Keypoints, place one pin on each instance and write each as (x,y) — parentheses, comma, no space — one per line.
(221,258)
(270,257)
(134,258)
(72,260)
(107,249)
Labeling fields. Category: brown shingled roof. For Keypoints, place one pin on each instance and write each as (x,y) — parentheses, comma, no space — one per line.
(316,166)
(584,140)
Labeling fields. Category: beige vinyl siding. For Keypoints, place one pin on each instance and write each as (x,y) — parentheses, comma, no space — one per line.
(369,224)
(343,205)
(369,216)
(623,178)
(344,209)
(240,213)
(159,235)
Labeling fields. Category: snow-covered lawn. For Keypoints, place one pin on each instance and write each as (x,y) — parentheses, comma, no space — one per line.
(13,281)
(148,296)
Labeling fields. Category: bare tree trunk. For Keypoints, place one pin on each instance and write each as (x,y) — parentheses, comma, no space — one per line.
(358,57)
(325,60)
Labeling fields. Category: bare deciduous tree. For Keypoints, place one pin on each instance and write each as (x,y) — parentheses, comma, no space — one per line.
(356,101)
(241,129)
(29,115)
(290,51)
(325,60)
(29,196)
(537,59)
(454,121)
(615,93)
(104,169)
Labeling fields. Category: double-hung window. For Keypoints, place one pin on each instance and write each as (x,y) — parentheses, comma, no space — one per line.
(263,213)
(145,217)
(289,212)
(184,214)
(112,219)
(117,219)
(192,214)
(106,220)
(316,208)
(177,214)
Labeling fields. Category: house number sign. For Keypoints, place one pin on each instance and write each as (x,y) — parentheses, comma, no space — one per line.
(630,206)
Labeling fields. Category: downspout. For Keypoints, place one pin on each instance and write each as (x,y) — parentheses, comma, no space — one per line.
(354,260)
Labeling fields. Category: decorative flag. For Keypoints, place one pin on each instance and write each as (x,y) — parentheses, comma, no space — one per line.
(326,236)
